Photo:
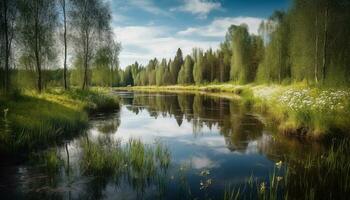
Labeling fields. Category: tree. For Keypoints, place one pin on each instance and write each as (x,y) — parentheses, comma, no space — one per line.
(101,71)
(176,66)
(8,17)
(240,46)
(186,72)
(160,70)
(113,53)
(325,41)
(275,65)
(63,5)
(90,18)
(198,66)
(36,25)
(256,56)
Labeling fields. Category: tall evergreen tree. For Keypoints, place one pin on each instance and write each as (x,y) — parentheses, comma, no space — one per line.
(176,66)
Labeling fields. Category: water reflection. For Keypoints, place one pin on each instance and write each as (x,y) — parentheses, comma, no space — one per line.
(228,118)
(212,142)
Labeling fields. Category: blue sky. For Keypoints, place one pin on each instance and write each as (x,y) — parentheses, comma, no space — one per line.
(156,28)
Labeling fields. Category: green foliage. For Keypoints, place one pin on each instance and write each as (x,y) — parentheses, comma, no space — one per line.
(198,66)
(186,72)
(34,120)
(240,65)
(176,66)
(139,161)
(306,43)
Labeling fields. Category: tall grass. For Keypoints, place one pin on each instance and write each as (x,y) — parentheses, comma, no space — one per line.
(37,120)
(139,163)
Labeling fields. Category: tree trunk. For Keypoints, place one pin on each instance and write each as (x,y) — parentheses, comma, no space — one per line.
(316,47)
(86,61)
(7,50)
(65,45)
(325,44)
(112,75)
(37,48)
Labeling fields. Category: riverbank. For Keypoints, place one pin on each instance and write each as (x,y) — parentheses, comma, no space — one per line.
(299,110)
(31,120)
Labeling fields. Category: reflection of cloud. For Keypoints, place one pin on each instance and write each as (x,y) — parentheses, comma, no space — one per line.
(252,147)
(146,127)
(201,162)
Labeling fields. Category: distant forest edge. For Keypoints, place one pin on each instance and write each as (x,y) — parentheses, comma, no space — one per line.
(309,42)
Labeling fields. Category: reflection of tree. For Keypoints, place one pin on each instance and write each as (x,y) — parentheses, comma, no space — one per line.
(186,105)
(276,147)
(240,128)
(235,125)
(108,124)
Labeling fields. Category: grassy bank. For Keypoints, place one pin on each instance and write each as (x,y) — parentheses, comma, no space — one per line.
(31,120)
(297,109)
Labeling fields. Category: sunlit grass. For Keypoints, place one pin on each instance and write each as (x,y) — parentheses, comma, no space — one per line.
(311,112)
(32,120)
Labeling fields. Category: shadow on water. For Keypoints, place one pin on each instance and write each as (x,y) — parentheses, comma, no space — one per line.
(158,146)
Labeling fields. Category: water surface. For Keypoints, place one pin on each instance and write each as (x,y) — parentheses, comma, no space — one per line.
(214,143)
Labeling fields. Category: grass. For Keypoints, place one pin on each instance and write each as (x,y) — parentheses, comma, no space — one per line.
(325,176)
(140,164)
(32,120)
(316,113)
(108,157)
(299,110)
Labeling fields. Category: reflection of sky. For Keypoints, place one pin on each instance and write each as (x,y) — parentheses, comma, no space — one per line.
(205,149)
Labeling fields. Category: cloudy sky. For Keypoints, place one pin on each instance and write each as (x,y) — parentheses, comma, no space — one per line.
(156,28)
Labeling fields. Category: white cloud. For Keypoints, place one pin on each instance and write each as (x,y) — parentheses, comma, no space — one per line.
(142,43)
(117,18)
(148,6)
(198,7)
(219,26)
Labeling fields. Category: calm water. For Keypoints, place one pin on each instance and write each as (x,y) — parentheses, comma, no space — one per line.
(214,143)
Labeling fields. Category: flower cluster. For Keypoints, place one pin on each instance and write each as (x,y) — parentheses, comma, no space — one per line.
(265,92)
(325,100)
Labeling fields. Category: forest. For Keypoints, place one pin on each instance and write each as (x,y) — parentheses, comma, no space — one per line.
(260,116)
(40,37)
(307,43)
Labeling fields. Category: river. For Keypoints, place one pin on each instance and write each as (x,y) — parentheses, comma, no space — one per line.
(214,143)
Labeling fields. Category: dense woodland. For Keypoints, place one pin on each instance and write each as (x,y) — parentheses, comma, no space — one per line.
(40,37)
(309,42)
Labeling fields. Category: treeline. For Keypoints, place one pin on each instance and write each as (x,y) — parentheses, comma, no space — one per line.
(37,35)
(310,42)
